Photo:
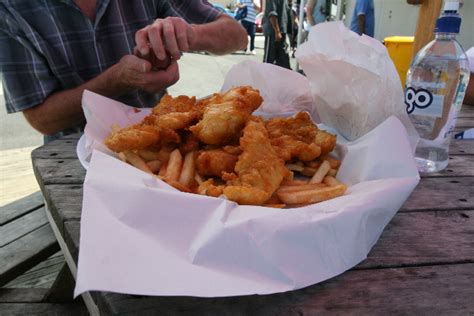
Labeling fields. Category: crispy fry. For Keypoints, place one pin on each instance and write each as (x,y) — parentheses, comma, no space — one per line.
(331,181)
(175,163)
(149,155)
(198,179)
(164,153)
(294,167)
(321,173)
(302,187)
(332,161)
(137,161)
(177,185)
(293,182)
(332,172)
(308,171)
(187,172)
(275,205)
(312,196)
(163,168)
(154,165)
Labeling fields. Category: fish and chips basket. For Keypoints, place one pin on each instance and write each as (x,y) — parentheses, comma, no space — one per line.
(142,235)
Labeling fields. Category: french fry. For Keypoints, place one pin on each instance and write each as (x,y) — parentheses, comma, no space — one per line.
(321,173)
(308,171)
(154,165)
(175,184)
(122,156)
(332,172)
(137,161)
(312,196)
(275,205)
(331,181)
(294,167)
(198,178)
(148,155)
(332,161)
(164,153)
(188,170)
(163,168)
(175,163)
(302,187)
(293,182)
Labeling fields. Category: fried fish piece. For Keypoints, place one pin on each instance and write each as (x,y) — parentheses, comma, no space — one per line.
(134,137)
(259,169)
(224,116)
(214,162)
(298,137)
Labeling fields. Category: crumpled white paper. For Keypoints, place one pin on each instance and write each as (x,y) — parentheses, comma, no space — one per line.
(141,236)
(354,82)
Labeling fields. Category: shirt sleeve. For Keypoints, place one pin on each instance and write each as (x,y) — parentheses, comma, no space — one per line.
(26,77)
(270,8)
(195,11)
(362,7)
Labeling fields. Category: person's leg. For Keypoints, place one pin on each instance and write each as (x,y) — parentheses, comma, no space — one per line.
(269,53)
(282,58)
(247,26)
(252,29)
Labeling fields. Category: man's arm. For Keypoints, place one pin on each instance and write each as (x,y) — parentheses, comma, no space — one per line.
(276,28)
(222,36)
(62,110)
(174,35)
(309,12)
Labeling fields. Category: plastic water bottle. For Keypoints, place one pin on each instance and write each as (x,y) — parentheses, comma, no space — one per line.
(436,83)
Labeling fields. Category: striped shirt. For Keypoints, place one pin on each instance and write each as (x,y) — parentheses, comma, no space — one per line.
(251,14)
(50,45)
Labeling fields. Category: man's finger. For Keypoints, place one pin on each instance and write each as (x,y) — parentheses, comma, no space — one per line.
(155,37)
(159,80)
(169,37)
(141,40)
(181,33)
(138,64)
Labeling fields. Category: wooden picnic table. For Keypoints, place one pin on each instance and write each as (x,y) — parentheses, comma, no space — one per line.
(422,264)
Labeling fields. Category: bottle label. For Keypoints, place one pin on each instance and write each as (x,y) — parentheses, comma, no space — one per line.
(422,102)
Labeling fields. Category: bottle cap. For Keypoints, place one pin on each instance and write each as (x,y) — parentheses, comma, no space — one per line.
(449,23)
(451,6)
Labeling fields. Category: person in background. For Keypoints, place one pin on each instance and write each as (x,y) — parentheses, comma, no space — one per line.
(51,51)
(293,23)
(249,21)
(275,23)
(317,11)
(469,96)
(363,18)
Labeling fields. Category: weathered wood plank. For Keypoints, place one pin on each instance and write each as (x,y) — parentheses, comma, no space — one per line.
(465,122)
(428,290)
(20,207)
(461,147)
(22,226)
(11,295)
(72,309)
(63,148)
(58,171)
(42,275)
(466,111)
(72,232)
(441,194)
(65,203)
(458,167)
(423,238)
(24,253)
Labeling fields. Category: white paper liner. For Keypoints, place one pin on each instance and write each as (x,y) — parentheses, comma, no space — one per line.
(140,236)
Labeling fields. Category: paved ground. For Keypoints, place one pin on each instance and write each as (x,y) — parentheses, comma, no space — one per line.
(201,75)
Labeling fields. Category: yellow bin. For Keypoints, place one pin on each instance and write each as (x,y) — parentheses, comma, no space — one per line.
(400,50)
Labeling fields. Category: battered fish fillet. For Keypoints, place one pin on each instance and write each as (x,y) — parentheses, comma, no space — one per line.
(214,162)
(260,171)
(298,137)
(133,137)
(225,115)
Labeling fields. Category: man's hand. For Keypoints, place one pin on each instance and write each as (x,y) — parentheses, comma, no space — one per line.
(132,72)
(278,36)
(171,36)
